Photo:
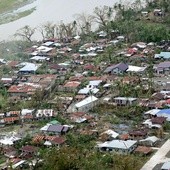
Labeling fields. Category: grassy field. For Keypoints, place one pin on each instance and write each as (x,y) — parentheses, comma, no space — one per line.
(8,5)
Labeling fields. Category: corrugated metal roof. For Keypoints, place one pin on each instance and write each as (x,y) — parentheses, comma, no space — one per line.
(118,144)
(125,98)
(165,55)
(86,101)
(166,166)
(121,66)
(55,128)
(29,67)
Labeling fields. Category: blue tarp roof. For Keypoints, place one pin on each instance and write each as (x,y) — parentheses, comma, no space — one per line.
(164,111)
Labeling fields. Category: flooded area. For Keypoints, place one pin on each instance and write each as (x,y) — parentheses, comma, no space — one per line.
(53,11)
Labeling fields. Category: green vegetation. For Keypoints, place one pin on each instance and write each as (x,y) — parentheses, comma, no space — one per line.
(2,160)
(166,126)
(143,31)
(73,158)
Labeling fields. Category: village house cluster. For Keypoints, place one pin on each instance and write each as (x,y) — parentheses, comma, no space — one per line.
(77,80)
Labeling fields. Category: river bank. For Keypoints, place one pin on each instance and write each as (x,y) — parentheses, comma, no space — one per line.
(51,11)
(10,11)
(7,6)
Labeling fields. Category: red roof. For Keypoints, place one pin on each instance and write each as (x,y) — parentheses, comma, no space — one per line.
(140,132)
(54,139)
(72,84)
(80,96)
(158,120)
(21,89)
(15,160)
(78,114)
(28,148)
(131,51)
(28,116)
(58,140)
(168,101)
(89,67)
(75,78)
(10,119)
(124,137)
(42,76)
(38,138)
(143,149)
(13,63)
(14,112)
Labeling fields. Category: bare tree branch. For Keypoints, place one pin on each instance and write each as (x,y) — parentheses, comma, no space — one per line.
(84,22)
(26,33)
(102,15)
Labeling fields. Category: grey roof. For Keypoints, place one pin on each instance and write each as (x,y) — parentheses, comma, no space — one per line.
(166,166)
(86,101)
(58,128)
(65,129)
(152,112)
(48,43)
(156,56)
(55,128)
(152,139)
(37,58)
(125,98)
(165,64)
(29,67)
(118,144)
(88,90)
(121,66)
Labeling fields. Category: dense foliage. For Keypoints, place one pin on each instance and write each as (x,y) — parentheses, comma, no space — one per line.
(73,158)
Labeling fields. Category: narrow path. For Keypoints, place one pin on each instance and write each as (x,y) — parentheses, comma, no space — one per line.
(158,157)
